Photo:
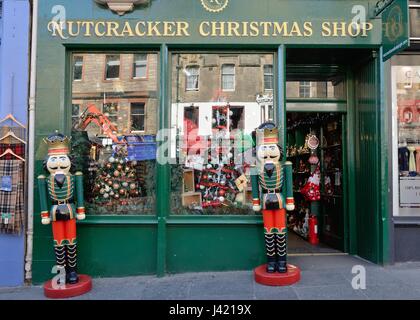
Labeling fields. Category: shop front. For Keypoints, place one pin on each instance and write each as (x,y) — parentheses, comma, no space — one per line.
(161,100)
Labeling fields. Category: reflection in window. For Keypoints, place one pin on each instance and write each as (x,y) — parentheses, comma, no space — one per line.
(268,77)
(212,145)
(137,116)
(112,67)
(304,89)
(78,68)
(228,77)
(140,65)
(192,74)
(112,145)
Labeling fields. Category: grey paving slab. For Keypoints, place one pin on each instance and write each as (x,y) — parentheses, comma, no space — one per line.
(223,285)
(311,278)
(384,292)
(274,293)
(171,288)
(335,292)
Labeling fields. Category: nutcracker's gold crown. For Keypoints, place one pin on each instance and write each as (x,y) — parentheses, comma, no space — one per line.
(58,144)
(269,136)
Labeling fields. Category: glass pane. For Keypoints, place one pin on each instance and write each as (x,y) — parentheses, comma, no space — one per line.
(316,89)
(118,161)
(212,145)
(140,65)
(78,68)
(406,97)
(415,22)
(113,67)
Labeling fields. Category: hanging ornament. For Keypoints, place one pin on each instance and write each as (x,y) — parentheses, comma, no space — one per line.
(133,186)
(109,182)
(221,199)
(222,193)
(102,191)
(127,169)
(121,191)
(116,186)
(116,196)
(125,184)
(111,159)
(116,173)
(108,166)
(119,167)
(106,196)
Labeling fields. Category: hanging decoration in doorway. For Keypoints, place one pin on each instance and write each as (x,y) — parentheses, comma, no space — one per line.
(122,7)
(272,192)
(62,187)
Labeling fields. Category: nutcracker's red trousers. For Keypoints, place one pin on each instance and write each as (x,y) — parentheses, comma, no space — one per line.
(274,219)
(64,232)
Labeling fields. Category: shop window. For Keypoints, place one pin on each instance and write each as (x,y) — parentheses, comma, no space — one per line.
(228,77)
(268,77)
(212,144)
(137,117)
(406,104)
(78,68)
(192,74)
(140,66)
(112,67)
(112,145)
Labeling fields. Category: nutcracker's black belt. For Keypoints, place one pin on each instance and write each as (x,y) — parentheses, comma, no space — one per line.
(271,191)
(56,203)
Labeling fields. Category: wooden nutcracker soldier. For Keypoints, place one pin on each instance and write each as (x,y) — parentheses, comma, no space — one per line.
(66,193)
(272,192)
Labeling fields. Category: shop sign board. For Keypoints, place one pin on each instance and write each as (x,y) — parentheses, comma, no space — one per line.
(395,28)
(410,191)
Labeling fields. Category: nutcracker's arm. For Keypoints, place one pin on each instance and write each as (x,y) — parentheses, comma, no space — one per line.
(290,201)
(42,189)
(79,195)
(256,206)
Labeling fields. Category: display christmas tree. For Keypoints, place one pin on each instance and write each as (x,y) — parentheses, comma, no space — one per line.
(116,180)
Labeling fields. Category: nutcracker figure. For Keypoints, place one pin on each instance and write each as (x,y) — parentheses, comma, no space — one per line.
(272,191)
(63,188)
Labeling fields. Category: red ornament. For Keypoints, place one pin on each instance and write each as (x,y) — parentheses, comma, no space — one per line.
(222,193)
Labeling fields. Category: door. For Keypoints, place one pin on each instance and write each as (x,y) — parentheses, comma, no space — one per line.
(370,180)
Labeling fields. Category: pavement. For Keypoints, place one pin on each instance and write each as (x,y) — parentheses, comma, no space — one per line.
(327,277)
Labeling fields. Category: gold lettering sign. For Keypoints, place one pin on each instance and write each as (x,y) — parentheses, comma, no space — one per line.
(236,29)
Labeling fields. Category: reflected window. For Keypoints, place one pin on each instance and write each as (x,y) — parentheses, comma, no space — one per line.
(137,116)
(228,77)
(112,67)
(75,113)
(140,66)
(304,89)
(192,74)
(78,68)
(268,77)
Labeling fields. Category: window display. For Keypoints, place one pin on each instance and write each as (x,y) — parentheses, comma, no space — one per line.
(114,126)
(217,102)
(406,105)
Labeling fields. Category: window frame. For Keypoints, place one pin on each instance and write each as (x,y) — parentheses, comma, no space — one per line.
(83,67)
(133,65)
(271,75)
(144,115)
(305,85)
(197,67)
(106,67)
(224,74)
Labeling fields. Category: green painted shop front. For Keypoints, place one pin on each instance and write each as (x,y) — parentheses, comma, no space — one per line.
(161,243)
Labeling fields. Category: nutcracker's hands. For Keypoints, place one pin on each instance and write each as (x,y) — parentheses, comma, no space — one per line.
(290,207)
(46,221)
(81,216)
(256,205)
(290,204)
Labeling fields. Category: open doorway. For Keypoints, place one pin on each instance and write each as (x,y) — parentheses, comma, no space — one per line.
(316,149)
